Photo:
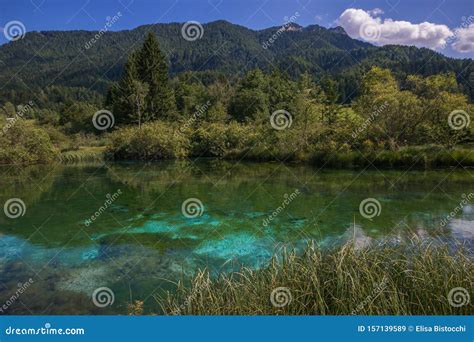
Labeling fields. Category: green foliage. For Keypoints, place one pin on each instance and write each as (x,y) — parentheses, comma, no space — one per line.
(47,117)
(144,93)
(153,141)
(218,140)
(250,102)
(78,117)
(86,76)
(380,129)
(8,110)
(212,116)
(153,70)
(23,143)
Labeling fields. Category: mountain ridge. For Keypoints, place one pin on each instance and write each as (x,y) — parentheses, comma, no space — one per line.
(60,58)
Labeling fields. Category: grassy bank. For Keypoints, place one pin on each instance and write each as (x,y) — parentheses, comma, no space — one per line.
(411,279)
(419,157)
(159,140)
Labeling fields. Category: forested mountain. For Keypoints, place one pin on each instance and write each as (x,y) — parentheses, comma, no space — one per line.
(65,63)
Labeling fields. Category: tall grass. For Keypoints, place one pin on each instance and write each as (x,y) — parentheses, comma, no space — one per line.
(83,155)
(412,279)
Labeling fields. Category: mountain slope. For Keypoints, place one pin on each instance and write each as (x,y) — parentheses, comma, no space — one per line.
(61,58)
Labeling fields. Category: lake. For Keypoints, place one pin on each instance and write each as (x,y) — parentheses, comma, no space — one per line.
(137,228)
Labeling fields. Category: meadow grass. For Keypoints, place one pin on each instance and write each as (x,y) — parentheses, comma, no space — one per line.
(410,279)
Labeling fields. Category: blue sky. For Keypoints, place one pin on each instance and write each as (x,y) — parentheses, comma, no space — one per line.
(91,14)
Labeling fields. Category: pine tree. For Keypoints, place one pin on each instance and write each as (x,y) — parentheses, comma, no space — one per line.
(123,105)
(152,70)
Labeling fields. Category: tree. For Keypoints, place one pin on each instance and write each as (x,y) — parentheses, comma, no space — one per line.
(331,95)
(78,117)
(145,79)
(8,110)
(390,114)
(250,102)
(307,109)
(152,69)
(138,95)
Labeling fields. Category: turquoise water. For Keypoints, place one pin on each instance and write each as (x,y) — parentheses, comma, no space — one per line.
(70,241)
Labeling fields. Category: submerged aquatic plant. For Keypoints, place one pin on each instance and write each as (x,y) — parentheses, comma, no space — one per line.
(409,279)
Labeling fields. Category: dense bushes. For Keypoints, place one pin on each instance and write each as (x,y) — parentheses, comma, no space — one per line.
(162,140)
(220,140)
(23,143)
(153,141)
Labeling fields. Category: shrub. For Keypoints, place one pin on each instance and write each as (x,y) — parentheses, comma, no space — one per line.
(23,143)
(222,140)
(154,141)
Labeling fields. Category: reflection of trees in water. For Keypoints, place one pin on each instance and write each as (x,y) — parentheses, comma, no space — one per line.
(157,176)
(27,183)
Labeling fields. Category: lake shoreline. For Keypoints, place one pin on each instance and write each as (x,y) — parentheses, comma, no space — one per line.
(418,158)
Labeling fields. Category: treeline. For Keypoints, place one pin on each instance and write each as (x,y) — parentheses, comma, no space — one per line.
(264,116)
(270,116)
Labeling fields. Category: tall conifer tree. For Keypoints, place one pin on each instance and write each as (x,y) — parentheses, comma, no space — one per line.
(153,70)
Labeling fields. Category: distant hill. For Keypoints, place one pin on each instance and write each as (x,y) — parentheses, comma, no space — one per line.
(60,58)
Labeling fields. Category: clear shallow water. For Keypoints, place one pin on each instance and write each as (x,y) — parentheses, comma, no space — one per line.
(142,240)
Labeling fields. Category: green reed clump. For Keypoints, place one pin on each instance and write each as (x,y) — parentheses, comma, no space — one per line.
(411,279)
(82,155)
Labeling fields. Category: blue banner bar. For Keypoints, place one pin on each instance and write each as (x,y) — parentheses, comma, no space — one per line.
(245,329)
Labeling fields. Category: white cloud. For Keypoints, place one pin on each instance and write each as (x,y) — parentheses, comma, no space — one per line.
(464,41)
(370,27)
(375,12)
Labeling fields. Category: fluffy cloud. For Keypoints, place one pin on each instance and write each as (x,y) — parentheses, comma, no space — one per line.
(370,27)
(464,41)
